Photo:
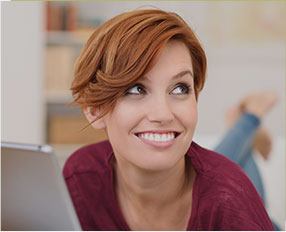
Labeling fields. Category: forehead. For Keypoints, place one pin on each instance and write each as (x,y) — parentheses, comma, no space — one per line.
(174,58)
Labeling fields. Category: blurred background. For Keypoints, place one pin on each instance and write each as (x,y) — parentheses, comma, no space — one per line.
(245,43)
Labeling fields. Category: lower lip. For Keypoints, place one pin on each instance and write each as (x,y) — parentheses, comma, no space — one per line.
(162,145)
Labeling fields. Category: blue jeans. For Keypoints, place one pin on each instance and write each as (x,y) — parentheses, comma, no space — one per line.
(237,146)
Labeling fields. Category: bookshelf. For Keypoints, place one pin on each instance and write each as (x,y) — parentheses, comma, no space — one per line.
(66,33)
(63,38)
(68,38)
(62,49)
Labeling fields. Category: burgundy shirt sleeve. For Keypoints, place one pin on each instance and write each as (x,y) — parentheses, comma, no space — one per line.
(224,197)
(89,177)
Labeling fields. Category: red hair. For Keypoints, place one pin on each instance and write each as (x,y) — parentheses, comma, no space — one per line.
(123,49)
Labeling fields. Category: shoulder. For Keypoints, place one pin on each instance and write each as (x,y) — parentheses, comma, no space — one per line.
(88,176)
(216,168)
(90,158)
(225,194)
(220,175)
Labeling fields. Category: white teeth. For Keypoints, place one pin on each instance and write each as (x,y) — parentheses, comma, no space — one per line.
(158,137)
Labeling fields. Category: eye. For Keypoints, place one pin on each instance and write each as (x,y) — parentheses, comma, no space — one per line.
(136,89)
(181,89)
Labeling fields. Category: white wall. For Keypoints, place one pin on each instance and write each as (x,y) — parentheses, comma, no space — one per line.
(237,70)
(22,72)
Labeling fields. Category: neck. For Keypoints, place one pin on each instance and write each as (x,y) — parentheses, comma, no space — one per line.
(156,189)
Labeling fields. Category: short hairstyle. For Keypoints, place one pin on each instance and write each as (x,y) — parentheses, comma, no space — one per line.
(123,49)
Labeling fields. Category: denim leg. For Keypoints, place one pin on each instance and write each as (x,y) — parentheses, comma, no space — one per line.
(276,227)
(251,169)
(238,139)
(236,145)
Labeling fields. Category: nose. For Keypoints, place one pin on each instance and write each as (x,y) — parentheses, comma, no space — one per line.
(160,110)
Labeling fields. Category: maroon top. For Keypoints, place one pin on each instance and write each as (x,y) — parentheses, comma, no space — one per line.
(223,196)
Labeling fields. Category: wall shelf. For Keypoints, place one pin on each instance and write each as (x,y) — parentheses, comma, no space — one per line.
(67,38)
(62,97)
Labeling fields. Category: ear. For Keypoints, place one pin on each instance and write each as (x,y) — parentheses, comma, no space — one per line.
(91,115)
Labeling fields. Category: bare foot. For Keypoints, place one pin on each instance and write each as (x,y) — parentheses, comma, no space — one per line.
(232,115)
(262,142)
(259,103)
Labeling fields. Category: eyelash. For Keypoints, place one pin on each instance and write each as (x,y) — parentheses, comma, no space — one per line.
(186,87)
(135,85)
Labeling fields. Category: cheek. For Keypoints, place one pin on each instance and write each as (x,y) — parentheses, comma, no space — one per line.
(123,117)
(187,113)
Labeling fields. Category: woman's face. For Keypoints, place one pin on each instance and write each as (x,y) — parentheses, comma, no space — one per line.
(152,126)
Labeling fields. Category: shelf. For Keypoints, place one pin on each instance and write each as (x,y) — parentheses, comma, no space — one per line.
(58,97)
(68,38)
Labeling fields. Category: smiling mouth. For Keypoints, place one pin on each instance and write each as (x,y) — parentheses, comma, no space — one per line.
(158,137)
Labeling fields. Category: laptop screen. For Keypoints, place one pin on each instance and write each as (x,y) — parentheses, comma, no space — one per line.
(34,194)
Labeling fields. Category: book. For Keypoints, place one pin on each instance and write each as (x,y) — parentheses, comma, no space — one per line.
(59,68)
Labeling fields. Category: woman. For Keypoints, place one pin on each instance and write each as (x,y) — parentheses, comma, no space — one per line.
(139,78)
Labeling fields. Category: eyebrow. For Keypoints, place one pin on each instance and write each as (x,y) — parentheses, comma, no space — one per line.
(183,73)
